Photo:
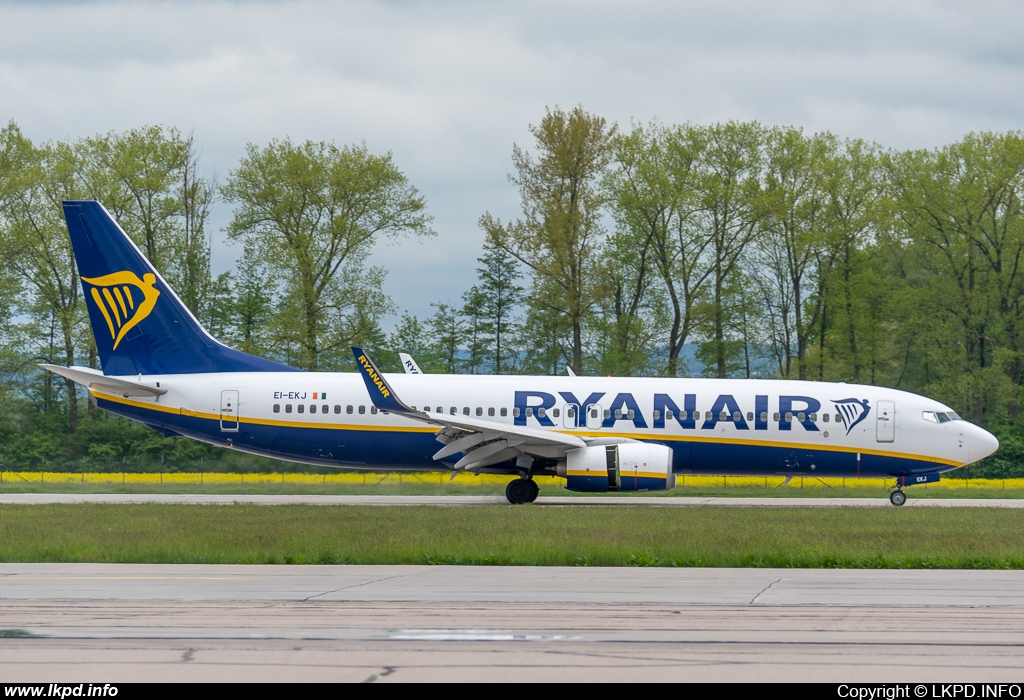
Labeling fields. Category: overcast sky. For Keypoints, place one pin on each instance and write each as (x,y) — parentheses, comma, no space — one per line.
(448,87)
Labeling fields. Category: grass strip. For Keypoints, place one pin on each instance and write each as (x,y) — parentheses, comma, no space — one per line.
(970,538)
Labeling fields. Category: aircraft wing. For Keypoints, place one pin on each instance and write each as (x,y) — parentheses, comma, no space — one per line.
(94,379)
(482,442)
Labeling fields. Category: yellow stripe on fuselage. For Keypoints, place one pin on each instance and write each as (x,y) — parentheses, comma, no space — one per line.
(635,436)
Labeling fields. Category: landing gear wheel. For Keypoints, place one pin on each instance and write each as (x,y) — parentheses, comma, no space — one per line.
(534,490)
(897,498)
(519,491)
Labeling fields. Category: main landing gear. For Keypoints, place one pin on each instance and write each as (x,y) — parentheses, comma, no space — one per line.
(897,497)
(522,491)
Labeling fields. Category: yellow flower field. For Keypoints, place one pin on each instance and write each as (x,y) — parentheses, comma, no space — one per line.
(441,478)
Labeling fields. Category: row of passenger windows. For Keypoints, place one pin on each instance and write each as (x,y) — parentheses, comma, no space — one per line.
(571,413)
(322,408)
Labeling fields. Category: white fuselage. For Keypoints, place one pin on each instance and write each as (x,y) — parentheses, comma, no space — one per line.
(719,426)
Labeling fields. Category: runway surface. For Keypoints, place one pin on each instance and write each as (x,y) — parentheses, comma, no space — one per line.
(653,501)
(112,622)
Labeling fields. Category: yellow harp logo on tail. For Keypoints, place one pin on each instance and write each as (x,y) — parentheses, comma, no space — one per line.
(123,299)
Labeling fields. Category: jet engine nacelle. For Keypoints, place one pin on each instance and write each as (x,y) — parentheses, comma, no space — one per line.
(631,466)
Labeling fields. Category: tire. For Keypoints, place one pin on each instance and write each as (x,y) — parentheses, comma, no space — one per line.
(897,498)
(518,491)
(534,490)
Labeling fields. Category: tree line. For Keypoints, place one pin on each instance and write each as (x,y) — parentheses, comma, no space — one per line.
(727,250)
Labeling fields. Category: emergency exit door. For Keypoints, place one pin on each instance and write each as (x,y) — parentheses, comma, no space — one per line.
(229,410)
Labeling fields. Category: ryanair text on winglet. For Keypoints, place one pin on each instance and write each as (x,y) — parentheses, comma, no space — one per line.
(374,376)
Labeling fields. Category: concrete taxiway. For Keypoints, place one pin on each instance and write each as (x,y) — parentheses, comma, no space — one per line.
(652,501)
(110,623)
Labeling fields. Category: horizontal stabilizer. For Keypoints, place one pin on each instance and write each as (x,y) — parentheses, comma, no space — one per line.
(94,379)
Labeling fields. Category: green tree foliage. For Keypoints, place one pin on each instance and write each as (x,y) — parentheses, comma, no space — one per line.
(149,177)
(653,200)
(316,210)
(560,236)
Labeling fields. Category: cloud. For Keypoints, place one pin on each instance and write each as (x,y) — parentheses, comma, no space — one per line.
(448,87)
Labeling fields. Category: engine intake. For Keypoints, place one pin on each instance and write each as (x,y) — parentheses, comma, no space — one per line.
(631,466)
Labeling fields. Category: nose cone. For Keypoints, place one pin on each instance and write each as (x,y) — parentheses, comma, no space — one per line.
(983,443)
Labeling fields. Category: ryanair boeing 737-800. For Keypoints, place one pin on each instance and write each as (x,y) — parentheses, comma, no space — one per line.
(161,368)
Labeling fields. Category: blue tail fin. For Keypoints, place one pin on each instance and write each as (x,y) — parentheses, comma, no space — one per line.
(140,324)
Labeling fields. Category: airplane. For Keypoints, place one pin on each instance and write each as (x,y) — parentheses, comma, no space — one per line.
(161,368)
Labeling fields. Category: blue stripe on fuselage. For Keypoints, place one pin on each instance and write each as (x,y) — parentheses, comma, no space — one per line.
(406,450)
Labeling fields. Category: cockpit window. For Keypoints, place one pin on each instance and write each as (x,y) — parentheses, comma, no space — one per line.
(953,415)
(930,416)
(943,418)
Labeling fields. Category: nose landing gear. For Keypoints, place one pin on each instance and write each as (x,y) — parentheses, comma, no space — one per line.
(522,491)
(897,497)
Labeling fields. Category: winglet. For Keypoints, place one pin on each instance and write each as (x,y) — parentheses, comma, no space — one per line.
(409,364)
(381,393)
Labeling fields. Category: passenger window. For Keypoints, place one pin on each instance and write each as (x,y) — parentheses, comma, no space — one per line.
(504,412)
(630,413)
(764,416)
(813,417)
(348,409)
(737,416)
(657,414)
(570,412)
(709,415)
(312,408)
(824,417)
(277,408)
(337,408)
(490,412)
(440,409)
(750,415)
(465,410)
(300,408)
(593,413)
(373,410)
(287,408)
(668,414)
(776,417)
(454,410)
(515,412)
(723,416)
(789,417)
(529,411)
(801,416)
(607,413)
(479,411)
(618,415)
(555,412)
(362,410)
(541,412)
